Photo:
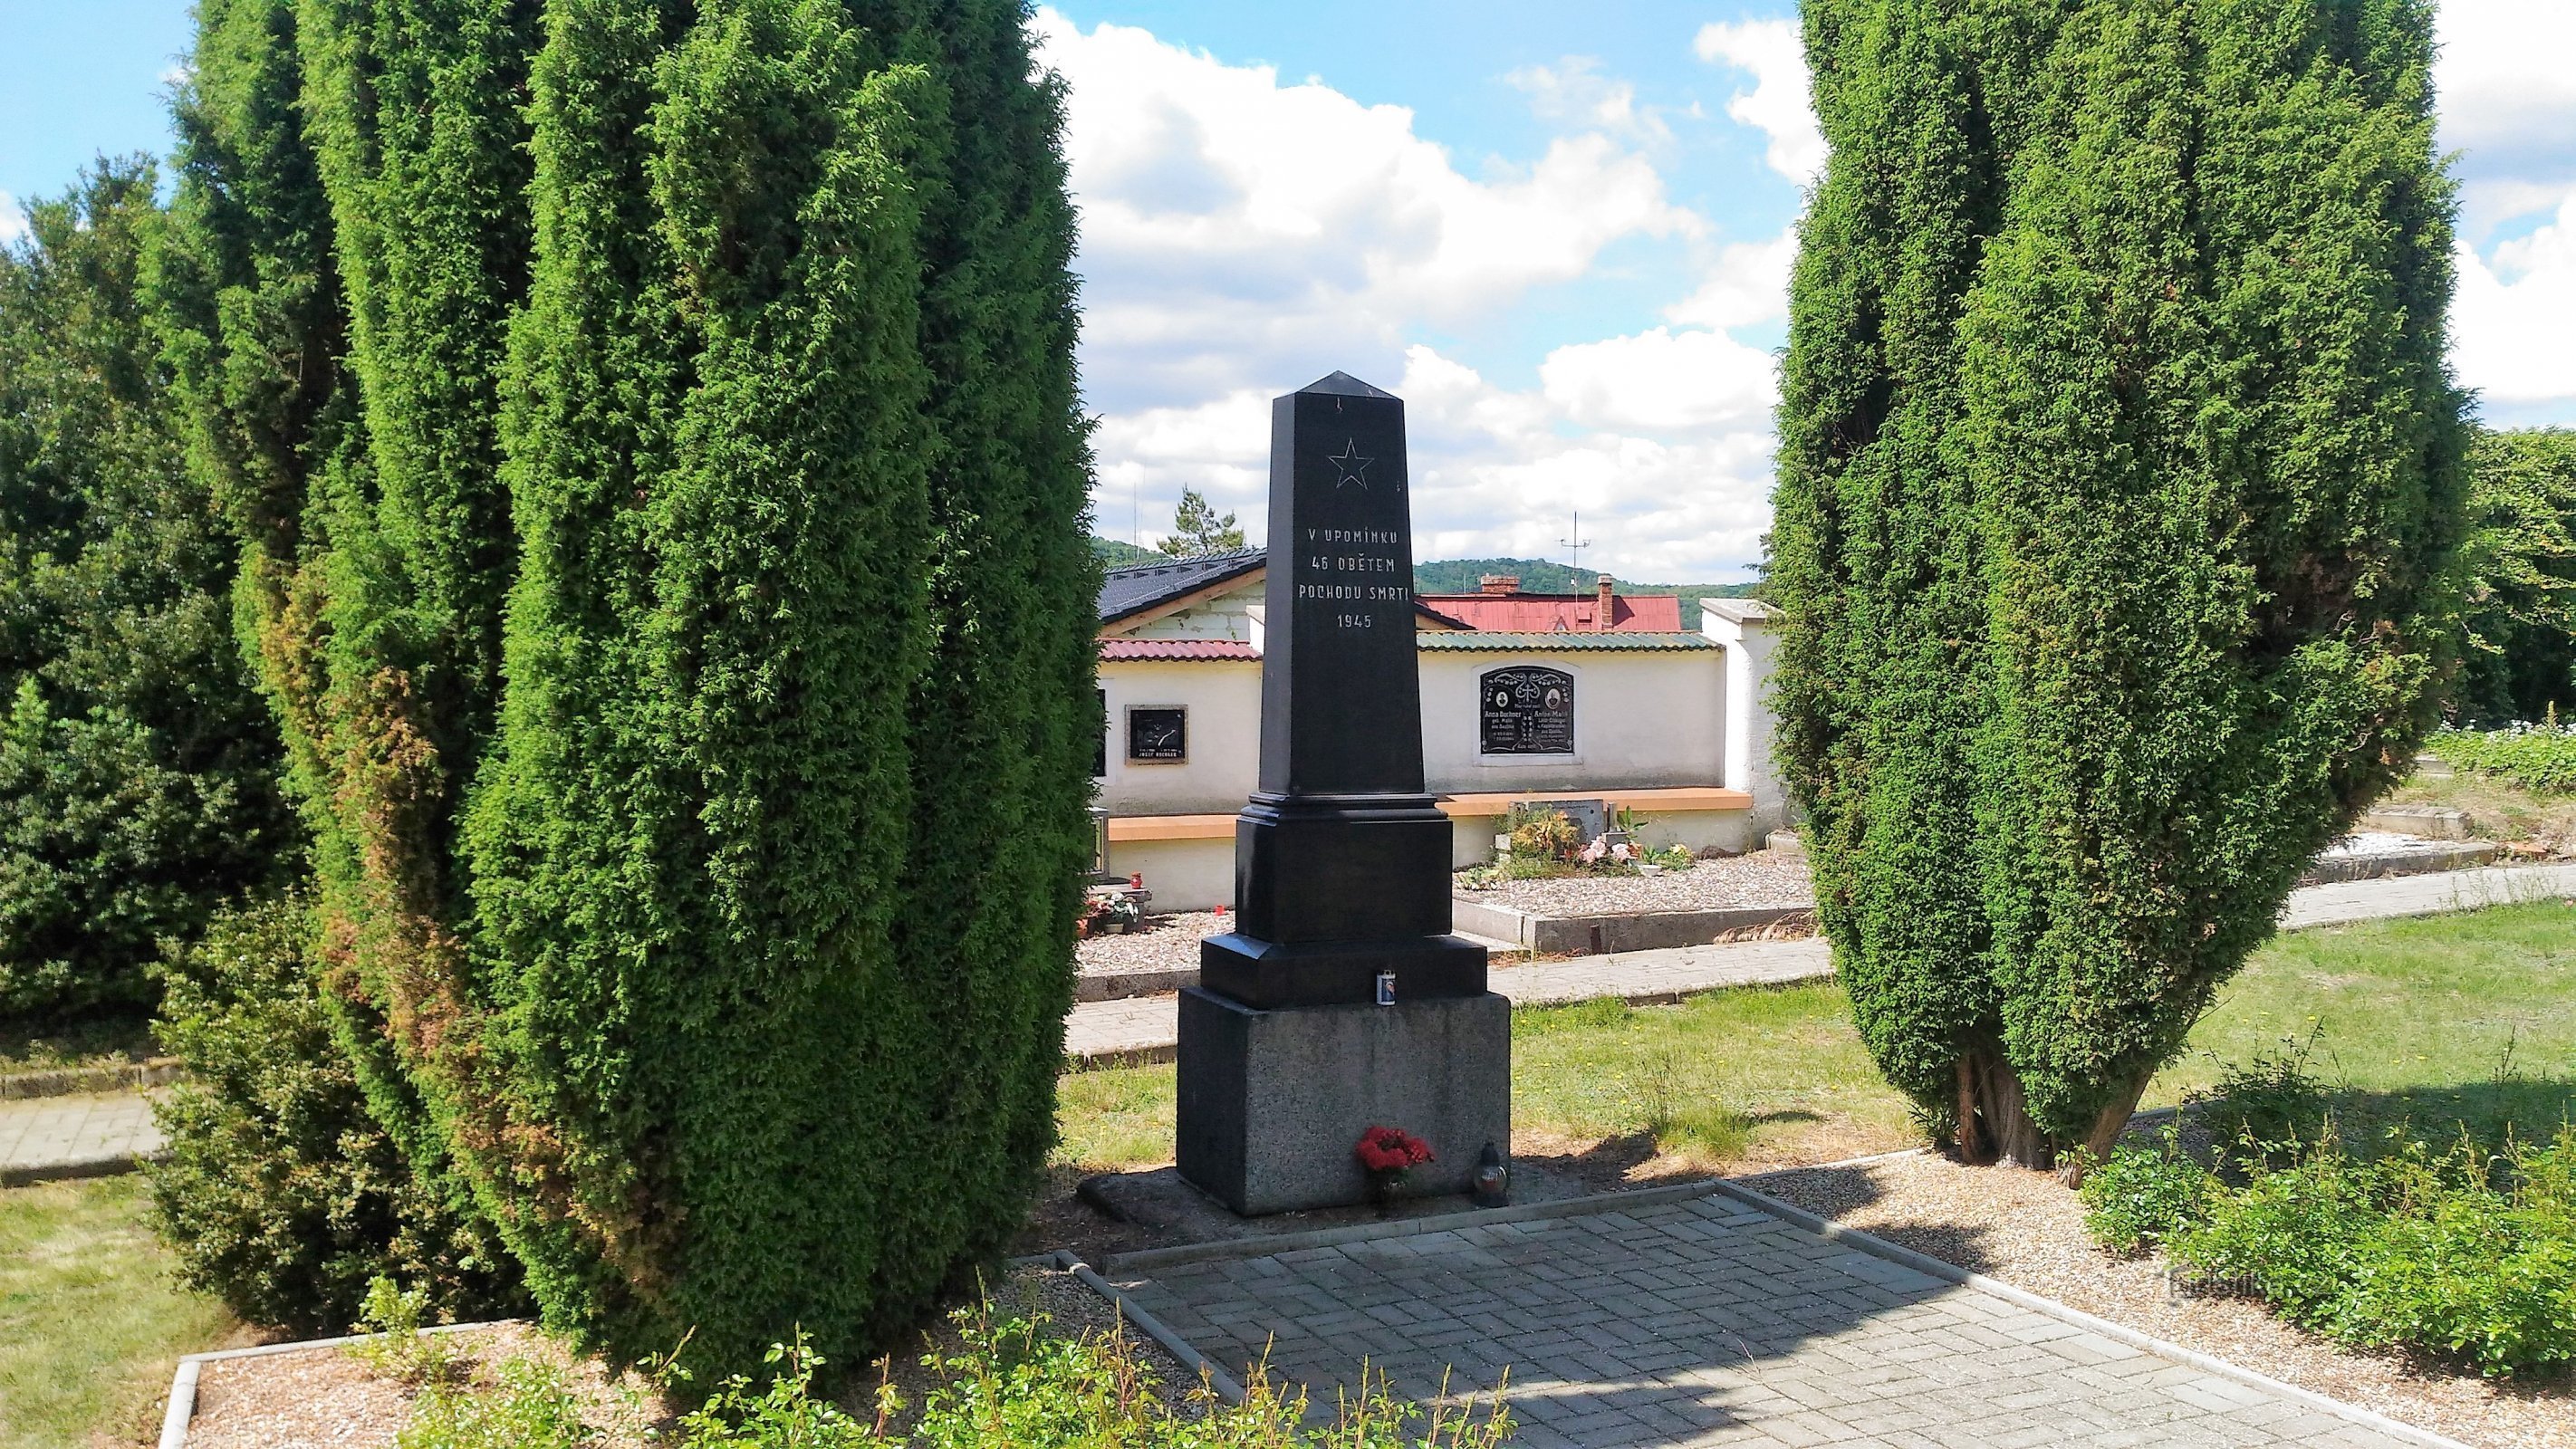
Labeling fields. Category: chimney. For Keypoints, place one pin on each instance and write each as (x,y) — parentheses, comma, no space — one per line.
(1499,584)
(1601,604)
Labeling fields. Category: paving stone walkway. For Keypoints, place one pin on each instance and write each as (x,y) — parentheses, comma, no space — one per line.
(1711,1322)
(43,1138)
(1147,1027)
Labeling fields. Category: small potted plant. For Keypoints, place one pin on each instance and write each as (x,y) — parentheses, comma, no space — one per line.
(1386,1154)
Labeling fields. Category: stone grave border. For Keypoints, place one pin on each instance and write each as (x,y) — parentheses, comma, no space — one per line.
(1611,932)
(1142,1263)
(182,1406)
(71,1081)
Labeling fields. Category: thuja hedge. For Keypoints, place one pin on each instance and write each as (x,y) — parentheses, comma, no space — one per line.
(653,435)
(2119,474)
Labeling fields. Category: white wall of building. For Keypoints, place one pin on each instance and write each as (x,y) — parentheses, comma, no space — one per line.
(1748,630)
(1643,717)
(1223,697)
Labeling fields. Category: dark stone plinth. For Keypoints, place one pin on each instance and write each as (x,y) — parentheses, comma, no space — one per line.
(1278,1098)
(1348,868)
(1274,974)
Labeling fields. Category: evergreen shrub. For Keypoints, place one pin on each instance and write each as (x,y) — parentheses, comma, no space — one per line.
(138,785)
(280,1193)
(2468,1253)
(2120,475)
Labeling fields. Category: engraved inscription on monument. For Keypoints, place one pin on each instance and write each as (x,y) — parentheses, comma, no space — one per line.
(1526,711)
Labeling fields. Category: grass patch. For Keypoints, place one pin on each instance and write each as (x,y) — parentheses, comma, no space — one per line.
(89,1319)
(2463,1017)
(2469,1016)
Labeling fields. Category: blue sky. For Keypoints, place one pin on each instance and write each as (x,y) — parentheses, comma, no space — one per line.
(1560,231)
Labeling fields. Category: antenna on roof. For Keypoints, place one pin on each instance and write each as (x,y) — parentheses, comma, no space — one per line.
(1578,542)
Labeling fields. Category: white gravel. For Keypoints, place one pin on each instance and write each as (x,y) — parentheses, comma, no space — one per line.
(1167,943)
(1764,878)
(2026,1229)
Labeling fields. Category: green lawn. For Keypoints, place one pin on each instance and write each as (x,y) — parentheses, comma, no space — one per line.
(2435,1018)
(90,1323)
(2412,1017)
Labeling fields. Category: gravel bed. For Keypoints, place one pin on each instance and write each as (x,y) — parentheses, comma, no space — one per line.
(2026,1229)
(1764,878)
(1167,943)
(326,1398)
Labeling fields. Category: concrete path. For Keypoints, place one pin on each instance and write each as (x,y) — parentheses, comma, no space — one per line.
(1708,1321)
(45,1138)
(1146,1028)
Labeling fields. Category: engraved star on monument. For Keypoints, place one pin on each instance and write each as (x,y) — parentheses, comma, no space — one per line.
(1348,466)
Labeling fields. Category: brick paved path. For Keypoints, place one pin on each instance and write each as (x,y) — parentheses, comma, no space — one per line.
(1710,1322)
(1148,1026)
(49,1137)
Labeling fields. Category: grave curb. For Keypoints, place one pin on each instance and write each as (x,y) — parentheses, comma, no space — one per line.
(1929,1266)
(71,1081)
(1153,1328)
(182,1405)
(73,1169)
(1609,933)
(1145,1260)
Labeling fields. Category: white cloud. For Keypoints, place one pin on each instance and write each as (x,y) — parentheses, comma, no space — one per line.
(1777,105)
(13,219)
(1241,235)
(1237,230)
(2513,315)
(1575,92)
(1748,286)
(1670,508)
(2508,100)
(1660,381)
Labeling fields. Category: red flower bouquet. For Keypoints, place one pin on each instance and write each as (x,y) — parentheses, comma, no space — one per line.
(1386,1154)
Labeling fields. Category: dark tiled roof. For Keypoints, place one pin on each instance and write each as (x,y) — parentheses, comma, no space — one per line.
(1177,649)
(1134,590)
(1491,641)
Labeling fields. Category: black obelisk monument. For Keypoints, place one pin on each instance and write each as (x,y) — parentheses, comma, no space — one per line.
(1341,1001)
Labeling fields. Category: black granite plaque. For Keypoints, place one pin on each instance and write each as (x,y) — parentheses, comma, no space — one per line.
(1341,861)
(1157,735)
(1525,710)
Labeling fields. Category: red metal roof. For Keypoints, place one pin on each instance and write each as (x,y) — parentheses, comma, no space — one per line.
(1568,613)
(1177,649)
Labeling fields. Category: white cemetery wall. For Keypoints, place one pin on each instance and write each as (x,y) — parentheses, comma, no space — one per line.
(1643,718)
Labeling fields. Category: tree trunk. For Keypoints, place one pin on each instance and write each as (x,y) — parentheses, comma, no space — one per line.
(1994,1120)
(1995,1125)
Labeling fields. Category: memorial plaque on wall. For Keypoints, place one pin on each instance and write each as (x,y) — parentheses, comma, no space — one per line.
(1158,736)
(1526,711)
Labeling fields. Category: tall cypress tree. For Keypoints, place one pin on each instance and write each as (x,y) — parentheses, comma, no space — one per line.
(1002,727)
(775,865)
(347,245)
(138,775)
(2182,428)
(414,109)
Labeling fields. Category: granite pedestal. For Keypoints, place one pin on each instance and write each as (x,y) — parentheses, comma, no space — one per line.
(1268,1120)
